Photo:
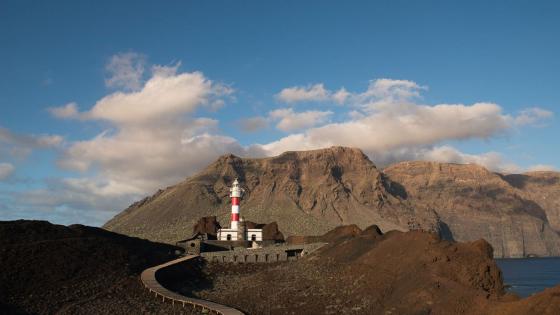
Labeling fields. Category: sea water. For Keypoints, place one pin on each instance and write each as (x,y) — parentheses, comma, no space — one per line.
(526,276)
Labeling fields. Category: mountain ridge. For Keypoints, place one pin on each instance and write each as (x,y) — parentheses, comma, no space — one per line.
(310,192)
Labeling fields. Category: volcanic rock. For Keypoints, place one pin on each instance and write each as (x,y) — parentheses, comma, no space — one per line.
(207,225)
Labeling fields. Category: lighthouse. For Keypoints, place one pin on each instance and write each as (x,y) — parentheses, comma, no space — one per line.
(235,193)
(238,231)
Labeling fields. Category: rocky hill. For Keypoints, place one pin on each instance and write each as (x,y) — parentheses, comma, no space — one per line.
(310,192)
(368,272)
(54,269)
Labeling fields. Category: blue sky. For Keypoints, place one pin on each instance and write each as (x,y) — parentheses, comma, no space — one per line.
(102,103)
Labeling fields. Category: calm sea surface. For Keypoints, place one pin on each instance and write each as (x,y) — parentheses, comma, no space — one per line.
(530,275)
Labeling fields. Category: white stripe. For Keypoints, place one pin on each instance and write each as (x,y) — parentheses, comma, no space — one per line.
(234,209)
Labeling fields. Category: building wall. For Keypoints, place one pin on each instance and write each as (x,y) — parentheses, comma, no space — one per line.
(223,235)
(234,236)
(257,233)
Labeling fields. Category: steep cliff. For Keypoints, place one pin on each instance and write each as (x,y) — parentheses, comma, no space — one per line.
(306,192)
(544,189)
(476,203)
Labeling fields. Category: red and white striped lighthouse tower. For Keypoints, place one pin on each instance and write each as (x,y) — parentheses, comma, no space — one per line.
(235,193)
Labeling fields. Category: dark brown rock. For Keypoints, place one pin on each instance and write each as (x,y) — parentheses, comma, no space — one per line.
(207,225)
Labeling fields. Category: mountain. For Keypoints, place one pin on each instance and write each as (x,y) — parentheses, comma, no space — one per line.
(311,192)
(306,192)
(476,203)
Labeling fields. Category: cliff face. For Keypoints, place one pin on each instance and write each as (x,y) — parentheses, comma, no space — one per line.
(306,192)
(310,192)
(476,203)
(544,189)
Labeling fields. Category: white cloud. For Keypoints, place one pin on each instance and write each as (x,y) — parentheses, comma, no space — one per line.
(542,168)
(288,120)
(341,96)
(392,126)
(532,116)
(125,70)
(491,160)
(69,110)
(19,146)
(295,94)
(153,139)
(6,170)
(380,89)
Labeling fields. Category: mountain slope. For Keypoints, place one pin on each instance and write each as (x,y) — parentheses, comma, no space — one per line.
(306,192)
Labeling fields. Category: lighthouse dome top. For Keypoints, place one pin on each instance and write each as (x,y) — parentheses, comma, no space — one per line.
(236,190)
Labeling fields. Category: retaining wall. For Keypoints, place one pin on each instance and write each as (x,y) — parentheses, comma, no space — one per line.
(150,279)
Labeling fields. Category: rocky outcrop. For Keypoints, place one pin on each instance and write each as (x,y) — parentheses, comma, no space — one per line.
(475,203)
(306,192)
(207,225)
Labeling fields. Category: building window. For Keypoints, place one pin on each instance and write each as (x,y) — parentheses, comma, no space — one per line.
(253,237)
(229,237)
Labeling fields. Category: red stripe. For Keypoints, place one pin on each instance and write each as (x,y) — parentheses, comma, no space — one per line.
(235,217)
(235,201)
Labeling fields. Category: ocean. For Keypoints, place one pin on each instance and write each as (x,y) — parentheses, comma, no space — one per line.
(527,276)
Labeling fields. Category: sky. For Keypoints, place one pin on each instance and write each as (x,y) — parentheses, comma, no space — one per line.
(104,102)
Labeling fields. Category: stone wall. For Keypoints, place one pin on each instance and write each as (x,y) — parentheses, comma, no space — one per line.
(268,254)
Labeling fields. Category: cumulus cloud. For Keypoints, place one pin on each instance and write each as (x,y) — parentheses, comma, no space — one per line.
(69,110)
(295,94)
(390,125)
(491,160)
(391,128)
(153,138)
(532,116)
(6,170)
(125,70)
(288,120)
(380,89)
